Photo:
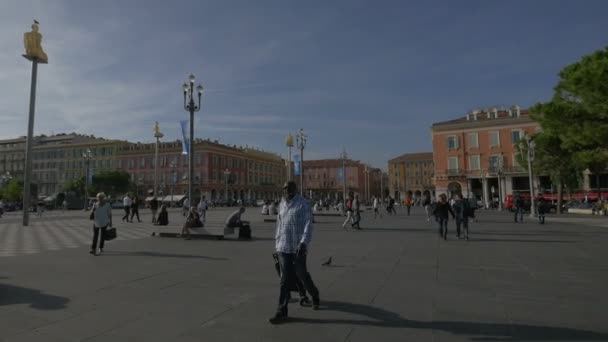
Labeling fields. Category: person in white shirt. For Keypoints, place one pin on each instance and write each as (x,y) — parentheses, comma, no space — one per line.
(202,209)
(376,209)
(102,218)
(126,202)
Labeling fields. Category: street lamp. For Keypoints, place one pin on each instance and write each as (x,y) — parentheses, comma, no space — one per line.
(226,174)
(531,144)
(173,165)
(87,158)
(343,156)
(289,144)
(499,173)
(381,186)
(157,135)
(301,139)
(365,181)
(191,107)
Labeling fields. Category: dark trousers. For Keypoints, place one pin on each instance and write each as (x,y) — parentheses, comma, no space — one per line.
(464,221)
(288,262)
(519,211)
(409,207)
(541,216)
(443,227)
(96,237)
(135,212)
(126,217)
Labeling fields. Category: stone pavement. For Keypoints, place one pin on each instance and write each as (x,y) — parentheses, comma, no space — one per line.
(395,280)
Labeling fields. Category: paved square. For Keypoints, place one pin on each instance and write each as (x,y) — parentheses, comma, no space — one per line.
(395,280)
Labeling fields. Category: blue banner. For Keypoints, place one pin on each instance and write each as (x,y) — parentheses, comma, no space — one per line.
(185,142)
(341,175)
(296,164)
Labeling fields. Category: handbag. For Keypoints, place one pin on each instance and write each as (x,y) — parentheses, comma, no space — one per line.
(110,234)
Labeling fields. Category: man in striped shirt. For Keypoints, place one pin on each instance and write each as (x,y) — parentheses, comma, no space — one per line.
(294,232)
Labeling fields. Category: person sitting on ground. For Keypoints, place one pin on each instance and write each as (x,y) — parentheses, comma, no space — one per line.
(272,209)
(265,210)
(234,220)
(191,222)
(163,217)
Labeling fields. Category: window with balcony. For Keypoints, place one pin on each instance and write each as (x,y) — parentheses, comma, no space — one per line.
(452,142)
(515,136)
(452,163)
(494,138)
(495,162)
(473,140)
(474,162)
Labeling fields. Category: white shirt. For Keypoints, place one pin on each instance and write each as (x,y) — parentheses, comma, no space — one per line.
(103,215)
(375,203)
(127,201)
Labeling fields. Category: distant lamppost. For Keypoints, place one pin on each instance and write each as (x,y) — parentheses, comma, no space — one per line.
(499,173)
(191,107)
(289,144)
(157,135)
(226,174)
(381,186)
(173,166)
(531,145)
(32,42)
(301,139)
(87,160)
(343,156)
(365,181)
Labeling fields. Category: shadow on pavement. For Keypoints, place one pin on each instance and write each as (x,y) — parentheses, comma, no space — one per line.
(162,255)
(402,230)
(522,240)
(10,294)
(481,331)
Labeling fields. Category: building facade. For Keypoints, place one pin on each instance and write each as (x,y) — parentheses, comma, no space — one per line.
(56,159)
(411,174)
(475,155)
(323,179)
(221,172)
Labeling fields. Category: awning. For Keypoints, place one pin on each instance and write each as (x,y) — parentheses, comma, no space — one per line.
(148,199)
(176,198)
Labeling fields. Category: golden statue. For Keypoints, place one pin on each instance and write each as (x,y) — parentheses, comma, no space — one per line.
(157,133)
(33,48)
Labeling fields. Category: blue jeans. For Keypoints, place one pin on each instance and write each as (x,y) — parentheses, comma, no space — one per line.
(288,262)
(519,211)
(443,226)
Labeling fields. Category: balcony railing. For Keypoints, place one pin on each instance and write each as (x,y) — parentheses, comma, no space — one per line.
(454,172)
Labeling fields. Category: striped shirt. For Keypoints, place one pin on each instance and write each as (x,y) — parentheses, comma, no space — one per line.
(294,224)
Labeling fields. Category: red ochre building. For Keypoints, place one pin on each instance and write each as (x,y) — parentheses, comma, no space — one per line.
(321,179)
(475,153)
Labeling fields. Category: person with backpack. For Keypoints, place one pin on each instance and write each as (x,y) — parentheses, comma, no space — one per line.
(462,211)
(441,211)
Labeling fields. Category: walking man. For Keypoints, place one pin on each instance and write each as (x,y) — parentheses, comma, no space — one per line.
(202,209)
(462,212)
(408,204)
(376,209)
(518,203)
(154,207)
(135,208)
(293,236)
(126,202)
(356,213)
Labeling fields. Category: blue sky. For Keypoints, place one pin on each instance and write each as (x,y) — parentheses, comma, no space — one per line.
(370,76)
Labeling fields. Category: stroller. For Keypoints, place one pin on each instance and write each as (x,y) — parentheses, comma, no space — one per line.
(295,284)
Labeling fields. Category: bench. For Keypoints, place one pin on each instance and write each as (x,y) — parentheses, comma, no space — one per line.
(212,228)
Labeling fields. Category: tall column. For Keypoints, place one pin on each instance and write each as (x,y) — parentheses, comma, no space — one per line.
(27,179)
(486,192)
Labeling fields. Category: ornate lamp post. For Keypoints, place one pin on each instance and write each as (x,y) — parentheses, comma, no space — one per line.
(499,173)
(87,159)
(173,179)
(226,174)
(289,144)
(343,156)
(301,139)
(191,107)
(531,145)
(32,42)
(157,135)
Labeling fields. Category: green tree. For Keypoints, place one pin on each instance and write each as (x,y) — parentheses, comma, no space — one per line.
(578,111)
(14,191)
(75,186)
(111,182)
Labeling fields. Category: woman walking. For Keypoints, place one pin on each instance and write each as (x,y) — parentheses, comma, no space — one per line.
(442,208)
(102,218)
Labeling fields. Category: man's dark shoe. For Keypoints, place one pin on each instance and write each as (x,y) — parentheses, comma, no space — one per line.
(278,318)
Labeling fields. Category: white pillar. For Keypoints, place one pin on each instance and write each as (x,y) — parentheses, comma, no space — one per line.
(486,192)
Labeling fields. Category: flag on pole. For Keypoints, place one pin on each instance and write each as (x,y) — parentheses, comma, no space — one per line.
(185,142)
(296,164)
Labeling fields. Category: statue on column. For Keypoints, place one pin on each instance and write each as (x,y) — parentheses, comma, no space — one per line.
(156,131)
(33,45)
